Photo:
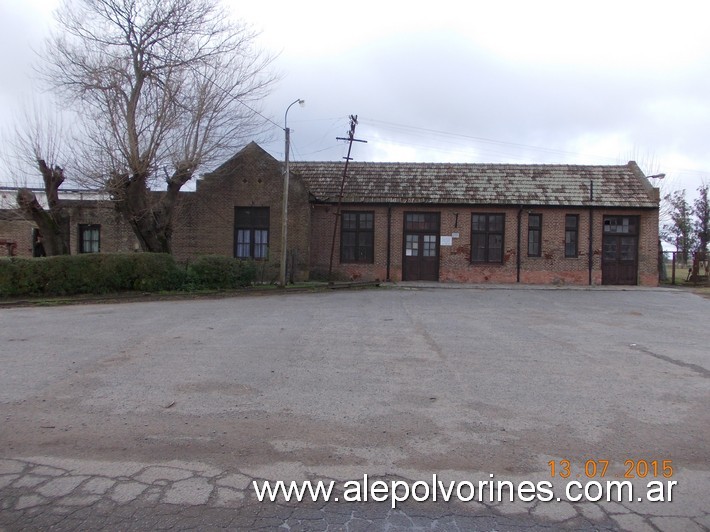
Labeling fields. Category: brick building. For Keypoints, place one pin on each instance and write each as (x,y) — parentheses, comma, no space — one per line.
(95,224)
(499,223)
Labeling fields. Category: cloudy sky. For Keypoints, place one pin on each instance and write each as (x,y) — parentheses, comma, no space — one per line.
(476,81)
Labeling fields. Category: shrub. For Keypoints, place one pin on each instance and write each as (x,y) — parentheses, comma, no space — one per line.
(89,274)
(218,272)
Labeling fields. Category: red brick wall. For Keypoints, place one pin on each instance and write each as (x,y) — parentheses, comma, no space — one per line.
(552,267)
(115,234)
(13,228)
(204,223)
(321,234)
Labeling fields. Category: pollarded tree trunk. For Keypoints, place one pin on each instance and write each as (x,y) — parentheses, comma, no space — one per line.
(150,214)
(53,223)
(54,227)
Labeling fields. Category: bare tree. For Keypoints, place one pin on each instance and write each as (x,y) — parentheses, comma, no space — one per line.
(39,145)
(164,87)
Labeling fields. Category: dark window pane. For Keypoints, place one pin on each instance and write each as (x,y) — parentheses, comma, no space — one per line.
(243,217)
(431,221)
(252,232)
(349,238)
(89,237)
(261,217)
(495,223)
(534,234)
(357,237)
(628,248)
(364,239)
(487,237)
(409,221)
(478,250)
(571,235)
(495,248)
(429,246)
(534,243)
(349,220)
(421,221)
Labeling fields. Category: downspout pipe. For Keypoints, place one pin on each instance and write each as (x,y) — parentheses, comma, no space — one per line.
(518,260)
(389,240)
(591,230)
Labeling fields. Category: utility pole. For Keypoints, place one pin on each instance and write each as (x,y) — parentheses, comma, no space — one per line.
(284,207)
(350,138)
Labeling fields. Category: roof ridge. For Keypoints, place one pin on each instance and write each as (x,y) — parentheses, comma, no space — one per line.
(518,165)
(478,183)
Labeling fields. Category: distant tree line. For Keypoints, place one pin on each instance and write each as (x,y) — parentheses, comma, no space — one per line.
(689,226)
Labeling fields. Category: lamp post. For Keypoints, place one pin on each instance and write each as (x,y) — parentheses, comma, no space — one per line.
(284,209)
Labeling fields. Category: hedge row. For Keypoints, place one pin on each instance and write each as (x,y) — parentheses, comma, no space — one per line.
(109,273)
(212,271)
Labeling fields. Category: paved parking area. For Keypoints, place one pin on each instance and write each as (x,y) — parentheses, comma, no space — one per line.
(161,414)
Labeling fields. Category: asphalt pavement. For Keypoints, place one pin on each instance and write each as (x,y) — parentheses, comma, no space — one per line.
(162,415)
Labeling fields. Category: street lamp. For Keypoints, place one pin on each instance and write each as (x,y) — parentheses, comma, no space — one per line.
(657,176)
(284,209)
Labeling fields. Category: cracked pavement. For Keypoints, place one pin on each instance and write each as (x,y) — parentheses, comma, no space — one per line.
(167,427)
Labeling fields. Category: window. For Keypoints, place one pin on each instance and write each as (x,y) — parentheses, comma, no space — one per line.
(571,235)
(625,225)
(620,238)
(534,235)
(251,233)
(421,222)
(357,237)
(487,237)
(89,238)
(429,246)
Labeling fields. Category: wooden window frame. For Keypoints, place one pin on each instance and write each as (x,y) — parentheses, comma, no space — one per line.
(486,233)
(251,226)
(630,229)
(82,230)
(422,222)
(535,231)
(569,231)
(362,253)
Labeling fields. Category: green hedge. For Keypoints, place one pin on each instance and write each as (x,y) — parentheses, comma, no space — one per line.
(89,274)
(217,272)
(103,273)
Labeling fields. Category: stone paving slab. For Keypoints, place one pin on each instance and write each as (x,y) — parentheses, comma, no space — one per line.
(196,501)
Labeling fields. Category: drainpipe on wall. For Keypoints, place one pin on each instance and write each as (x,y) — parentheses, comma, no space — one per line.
(591,230)
(389,240)
(520,217)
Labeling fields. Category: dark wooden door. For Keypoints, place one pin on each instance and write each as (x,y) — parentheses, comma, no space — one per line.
(620,250)
(421,247)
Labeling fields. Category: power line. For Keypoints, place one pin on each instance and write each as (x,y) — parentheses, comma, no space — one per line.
(486,140)
(428,131)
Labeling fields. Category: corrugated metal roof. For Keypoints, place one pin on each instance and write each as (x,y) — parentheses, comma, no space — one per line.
(479,184)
